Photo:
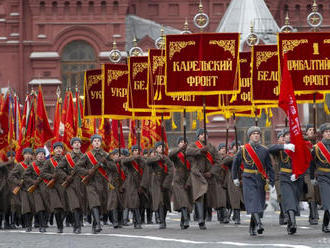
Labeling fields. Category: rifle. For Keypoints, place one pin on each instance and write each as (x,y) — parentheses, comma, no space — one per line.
(18,187)
(33,187)
(52,182)
(68,180)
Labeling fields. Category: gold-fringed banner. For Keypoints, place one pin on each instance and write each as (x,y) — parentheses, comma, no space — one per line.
(156,89)
(115,91)
(308,60)
(93,94)
(202,64)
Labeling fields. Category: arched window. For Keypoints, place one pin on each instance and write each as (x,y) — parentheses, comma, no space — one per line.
(104,7)
(297,10)
(66,8)
(77,57)
(90,7)
(42,7)
(79,7)
(115,7)
(54,8)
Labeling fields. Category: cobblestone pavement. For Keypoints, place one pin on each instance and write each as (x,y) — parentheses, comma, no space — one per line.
(217,235)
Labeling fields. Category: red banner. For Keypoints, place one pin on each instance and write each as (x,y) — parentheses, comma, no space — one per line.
(302,156)
(265,87)
(202,64)
(115,91)
(156,89)
(308,60)
(93,94)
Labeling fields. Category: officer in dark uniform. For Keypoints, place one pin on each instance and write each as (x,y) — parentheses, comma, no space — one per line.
(290,186)
(321,164)
(256,173)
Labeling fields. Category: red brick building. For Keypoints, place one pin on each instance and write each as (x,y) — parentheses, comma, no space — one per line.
(51,42)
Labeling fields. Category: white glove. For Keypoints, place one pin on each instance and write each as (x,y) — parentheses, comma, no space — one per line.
(290,147)
(293,177)
(313,182)
(272,189)
(236,182)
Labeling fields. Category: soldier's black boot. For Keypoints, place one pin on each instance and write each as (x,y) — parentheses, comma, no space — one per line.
(12,220)
(313,219)
(184,217)
(283,220)
(137,217)
(149,216)
(28,222)
(42,221)
(77,222)
(1,217)
(96,219)
(325,225)
(59,220)
(7,224)
(51,219)
(143,215)
(201,214)
(36,221)
(195,213)
(162,217)
(237,215)
(115,221)
(252,228)
(209,214)
(259,225)
(125,217)
(157,218)
(292,226)
(120,218)
(218,214)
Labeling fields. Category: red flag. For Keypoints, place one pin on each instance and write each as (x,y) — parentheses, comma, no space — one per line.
(105,132)
(69,123)
(114,136)
(64,107)
(57,121)
(43,130)
(301,157)
(132,140)
(4,122)
(22,131)
(157,134)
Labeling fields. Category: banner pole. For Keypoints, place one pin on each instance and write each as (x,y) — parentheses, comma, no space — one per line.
(314,111)
(235,128)
(227,132)
(204,112)
(119,136)
(162,125)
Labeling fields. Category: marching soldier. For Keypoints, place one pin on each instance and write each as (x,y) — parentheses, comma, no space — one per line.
(313,193)
(91,166)
(134,165)
(145,184)
(321,163)
(257,170)
(37,187)
(115,196)
(124,153)
(5,193)
(290,186)
(182,201)
(205,166)
(16,176)
(160,183)
(275,158)
(49,171)
(72,182)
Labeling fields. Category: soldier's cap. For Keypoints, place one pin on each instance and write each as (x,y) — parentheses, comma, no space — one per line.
(114,151)
(180,138)
(135,147)
(145,151)
(11,154)
(74,139)
(324,127)
(158,143)
(308,126)
(221,145)
(96,136)
(199,132)
(56,144)
(124,151)
(279,134)
(285,131)
(27,150)
(40,149)
(253,129)
(233,143)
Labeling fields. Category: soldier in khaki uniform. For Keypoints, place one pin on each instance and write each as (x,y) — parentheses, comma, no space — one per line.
(55,190)
(16,176)
(91,165)
(72,182)
(182,200)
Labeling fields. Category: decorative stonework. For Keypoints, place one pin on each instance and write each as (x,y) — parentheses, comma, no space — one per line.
(227,45)
(177,46)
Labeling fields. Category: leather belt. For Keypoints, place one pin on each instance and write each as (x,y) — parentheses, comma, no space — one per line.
(323,169)
(286,170)
(251,171)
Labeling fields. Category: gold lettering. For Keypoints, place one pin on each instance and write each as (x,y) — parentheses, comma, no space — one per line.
(195,65)
(96,95)
(316,48)
(160,80)
(204,81)
(317,80)
(307,65)
(267,75)
(188,98)
(245,82)
(139,85)
(119,92)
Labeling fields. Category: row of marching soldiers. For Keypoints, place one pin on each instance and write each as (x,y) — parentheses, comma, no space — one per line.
(195,176)
(100,184)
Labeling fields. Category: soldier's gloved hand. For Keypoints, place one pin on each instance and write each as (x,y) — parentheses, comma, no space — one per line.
(293,177)
(272,189)
(290,147)
(207,174)
(236,182)
(313,181)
